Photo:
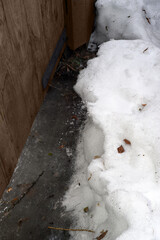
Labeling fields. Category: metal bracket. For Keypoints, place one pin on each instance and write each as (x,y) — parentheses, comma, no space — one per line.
(53,60)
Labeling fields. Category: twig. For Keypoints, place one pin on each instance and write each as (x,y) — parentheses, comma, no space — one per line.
(74,230)
(71,67)
(145,50)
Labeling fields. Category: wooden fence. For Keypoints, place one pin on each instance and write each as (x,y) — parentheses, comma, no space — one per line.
(29,32)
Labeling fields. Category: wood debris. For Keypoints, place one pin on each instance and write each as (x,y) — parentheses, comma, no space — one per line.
(145,50)
(148,20)
(74,230)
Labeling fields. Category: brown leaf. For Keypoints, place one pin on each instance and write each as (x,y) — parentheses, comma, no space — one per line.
(14,200)
(148,20)
(103,234)
(95,157)
(127,141)
(86,209)
(144,105)
(90,177)
(120,149)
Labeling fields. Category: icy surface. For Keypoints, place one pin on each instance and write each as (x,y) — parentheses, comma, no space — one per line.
(127,19)
(121,190)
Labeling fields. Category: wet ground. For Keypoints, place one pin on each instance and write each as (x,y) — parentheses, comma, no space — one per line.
(33,199)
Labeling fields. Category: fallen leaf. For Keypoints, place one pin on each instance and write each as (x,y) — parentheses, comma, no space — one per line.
(95,157)
(14,200)
(86,209)
(120,149)
(144,105)
(145,50)
(148,20)
(127,141)
(90,177)
(9,189)
(103,234)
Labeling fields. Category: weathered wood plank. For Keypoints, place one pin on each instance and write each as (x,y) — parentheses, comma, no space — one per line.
(18,33)
(3,182)
(12,99)
(53,22)
(29,32)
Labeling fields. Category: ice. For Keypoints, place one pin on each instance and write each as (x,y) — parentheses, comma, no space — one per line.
(121,90)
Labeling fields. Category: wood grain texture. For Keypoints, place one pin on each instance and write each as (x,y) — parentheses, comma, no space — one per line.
(80,21)
(29,32)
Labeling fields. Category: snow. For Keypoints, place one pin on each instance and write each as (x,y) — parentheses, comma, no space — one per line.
(127,19)
(120,88)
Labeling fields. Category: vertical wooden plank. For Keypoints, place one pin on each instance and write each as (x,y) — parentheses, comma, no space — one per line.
(21,42)
(7,152)
(80,20)
(36,34)
(3,182)
(53,22)
(12,100)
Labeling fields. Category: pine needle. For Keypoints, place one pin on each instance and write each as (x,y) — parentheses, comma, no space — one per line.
(75,230)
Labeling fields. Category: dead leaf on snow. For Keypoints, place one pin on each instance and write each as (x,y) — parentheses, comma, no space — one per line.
(148,20)
(120,149)
(86,209)
(90,177)
(127,141)
(95,157)
(143,105)
(103,234)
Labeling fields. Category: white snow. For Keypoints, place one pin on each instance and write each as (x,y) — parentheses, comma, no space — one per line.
(121,89)
(127,19)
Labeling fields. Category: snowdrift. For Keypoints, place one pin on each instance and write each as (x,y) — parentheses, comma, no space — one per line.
(116,188)
(127,19)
